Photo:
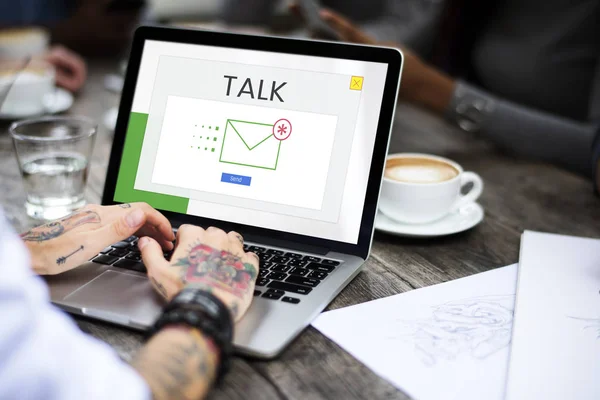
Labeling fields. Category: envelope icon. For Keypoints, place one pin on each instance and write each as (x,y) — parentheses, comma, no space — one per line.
(250,144)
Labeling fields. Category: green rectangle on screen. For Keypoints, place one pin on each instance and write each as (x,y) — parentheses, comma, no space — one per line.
(124,191)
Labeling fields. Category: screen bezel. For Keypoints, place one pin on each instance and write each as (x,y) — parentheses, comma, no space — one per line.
(389,56)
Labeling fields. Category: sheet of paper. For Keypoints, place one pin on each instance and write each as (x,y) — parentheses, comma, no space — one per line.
(556,338)
(447,341)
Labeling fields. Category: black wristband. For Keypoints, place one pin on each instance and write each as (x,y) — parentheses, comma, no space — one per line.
(204,311)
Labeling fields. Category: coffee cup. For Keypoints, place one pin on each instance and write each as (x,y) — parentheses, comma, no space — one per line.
(19,43)
(421,188)
(26,89)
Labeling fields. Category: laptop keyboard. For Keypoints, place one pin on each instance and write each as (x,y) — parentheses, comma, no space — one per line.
(283,276)
(124,255)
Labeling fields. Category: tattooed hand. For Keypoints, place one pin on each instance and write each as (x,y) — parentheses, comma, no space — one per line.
(63,244)
(210,259)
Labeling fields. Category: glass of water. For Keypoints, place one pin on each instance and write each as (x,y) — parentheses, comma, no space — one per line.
(53,155)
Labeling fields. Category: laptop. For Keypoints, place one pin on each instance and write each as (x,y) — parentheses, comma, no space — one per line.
(281,140)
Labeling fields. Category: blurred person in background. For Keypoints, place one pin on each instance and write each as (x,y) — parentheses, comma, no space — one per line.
(410,22)
(20,47)
(524,76)
(90,27)
(71,70)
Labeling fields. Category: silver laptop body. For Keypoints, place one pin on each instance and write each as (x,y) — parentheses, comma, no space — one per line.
(125,297)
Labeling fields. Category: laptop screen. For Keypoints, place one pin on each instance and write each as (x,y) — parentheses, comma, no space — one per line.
(265,139)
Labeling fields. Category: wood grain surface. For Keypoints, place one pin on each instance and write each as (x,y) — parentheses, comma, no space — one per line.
(519,194)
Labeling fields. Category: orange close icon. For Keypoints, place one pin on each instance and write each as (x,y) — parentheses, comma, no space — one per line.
(356,82)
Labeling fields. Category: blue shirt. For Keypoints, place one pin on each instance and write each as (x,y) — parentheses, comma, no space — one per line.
(33,12)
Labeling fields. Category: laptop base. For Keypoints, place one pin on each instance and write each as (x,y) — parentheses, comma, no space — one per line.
(126,298)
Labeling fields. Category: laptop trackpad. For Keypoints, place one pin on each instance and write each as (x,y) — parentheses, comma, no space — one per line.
(119,297)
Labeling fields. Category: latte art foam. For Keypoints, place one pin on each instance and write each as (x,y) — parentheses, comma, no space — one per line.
(419,170)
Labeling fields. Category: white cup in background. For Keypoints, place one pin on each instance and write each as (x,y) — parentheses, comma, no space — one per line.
(30,88)
(20,43)
(421,188)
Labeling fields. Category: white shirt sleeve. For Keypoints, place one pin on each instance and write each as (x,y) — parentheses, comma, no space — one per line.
(43,354)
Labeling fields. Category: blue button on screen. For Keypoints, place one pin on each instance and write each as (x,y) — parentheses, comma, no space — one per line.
(236,179)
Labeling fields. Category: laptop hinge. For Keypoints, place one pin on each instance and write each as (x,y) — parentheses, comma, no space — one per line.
(305,248)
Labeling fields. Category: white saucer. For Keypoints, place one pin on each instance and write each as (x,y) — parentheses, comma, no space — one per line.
(464,218)
(58,101)
(110,119)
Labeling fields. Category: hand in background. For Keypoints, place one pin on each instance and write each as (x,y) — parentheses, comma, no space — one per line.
(347,30)
(66,243)
(71,71)
(95,30)
(208,259)
(420,84)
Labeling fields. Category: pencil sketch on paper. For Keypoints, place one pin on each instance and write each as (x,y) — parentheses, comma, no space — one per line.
(475,327)
(590,324)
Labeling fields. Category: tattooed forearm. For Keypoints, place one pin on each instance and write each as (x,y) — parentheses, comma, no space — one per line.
(205,265)
(45,232)
(57,228)
(63,259)
(178,363)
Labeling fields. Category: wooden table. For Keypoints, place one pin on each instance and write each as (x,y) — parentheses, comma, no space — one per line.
(519,194)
